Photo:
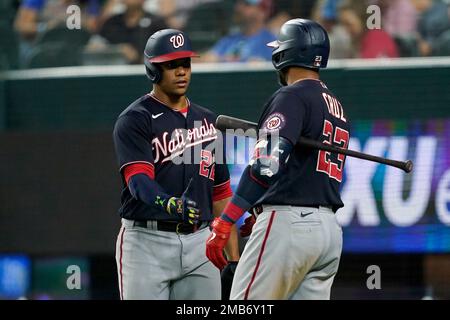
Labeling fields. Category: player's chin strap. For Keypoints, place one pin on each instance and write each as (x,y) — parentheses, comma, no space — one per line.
(269,160)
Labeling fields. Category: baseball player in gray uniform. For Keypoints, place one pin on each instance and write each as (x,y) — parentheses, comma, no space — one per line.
(167,206)
(295,245)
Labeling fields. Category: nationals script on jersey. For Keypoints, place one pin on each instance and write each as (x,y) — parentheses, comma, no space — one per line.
(173,144)
(179,145)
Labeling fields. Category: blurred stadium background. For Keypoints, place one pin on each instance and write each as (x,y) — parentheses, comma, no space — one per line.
(61,90)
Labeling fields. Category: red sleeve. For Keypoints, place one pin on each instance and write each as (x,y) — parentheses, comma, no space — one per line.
(136,168)
(222,191)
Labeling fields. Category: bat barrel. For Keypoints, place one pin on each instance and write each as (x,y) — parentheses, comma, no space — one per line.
(408,166)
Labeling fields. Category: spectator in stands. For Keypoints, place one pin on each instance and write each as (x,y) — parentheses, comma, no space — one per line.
(176,12)
(367,43)
(433,25)
(131,30)
(36,16)
(110,8)
(285,10)
(326,13)
(399,16)
(282,12)
(399,19)
(249,43)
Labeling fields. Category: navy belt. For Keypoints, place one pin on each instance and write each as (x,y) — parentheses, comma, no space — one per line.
(171,226)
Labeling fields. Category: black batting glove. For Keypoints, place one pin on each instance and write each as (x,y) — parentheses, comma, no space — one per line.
(185,208)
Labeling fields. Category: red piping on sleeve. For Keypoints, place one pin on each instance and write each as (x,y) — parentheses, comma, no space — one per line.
(222,191)
(136,168)
(264,185)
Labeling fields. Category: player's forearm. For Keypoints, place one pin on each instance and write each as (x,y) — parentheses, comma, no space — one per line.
(146,190)
(219,205)
(232,246)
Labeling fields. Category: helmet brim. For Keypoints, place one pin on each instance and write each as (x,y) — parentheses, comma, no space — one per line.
(273,44)
(173,56)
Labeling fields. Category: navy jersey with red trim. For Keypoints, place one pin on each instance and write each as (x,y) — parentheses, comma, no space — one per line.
(312,177)
(177,149)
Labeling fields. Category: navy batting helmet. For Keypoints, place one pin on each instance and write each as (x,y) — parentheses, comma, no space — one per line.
(302,43)
(165,45)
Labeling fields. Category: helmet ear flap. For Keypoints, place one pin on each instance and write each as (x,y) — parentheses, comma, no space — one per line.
(282,77)
(277,59)
(165,45)
(154,72)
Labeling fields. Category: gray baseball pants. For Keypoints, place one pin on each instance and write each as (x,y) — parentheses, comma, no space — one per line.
(292,253)
(161,265)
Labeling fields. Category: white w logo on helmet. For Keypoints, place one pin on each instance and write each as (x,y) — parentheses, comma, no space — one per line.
(177,40)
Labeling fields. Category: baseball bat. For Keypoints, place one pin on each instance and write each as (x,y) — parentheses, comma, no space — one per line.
(250,129)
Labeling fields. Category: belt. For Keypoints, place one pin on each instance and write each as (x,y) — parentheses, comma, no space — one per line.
(257,210)
(171,226)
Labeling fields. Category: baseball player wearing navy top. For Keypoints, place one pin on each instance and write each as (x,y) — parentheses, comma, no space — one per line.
(295,244)
(172,185)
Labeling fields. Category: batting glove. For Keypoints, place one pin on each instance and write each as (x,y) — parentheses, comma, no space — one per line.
(216,242)
(185,208)
(246,228)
